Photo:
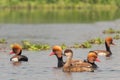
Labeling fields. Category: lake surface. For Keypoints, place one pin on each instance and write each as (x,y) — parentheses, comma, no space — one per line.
(58,16)
(41,66)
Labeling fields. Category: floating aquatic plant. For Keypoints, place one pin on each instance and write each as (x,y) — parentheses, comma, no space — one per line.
(76,45)
(63,46)
(111,31)
(85,45)
(96,41)
(26,44)
(116,37)
(2,41)
(32,46)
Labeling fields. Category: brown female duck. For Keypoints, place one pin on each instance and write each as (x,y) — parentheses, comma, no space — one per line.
(70,66)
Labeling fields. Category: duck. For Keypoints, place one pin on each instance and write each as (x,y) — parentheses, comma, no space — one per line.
(92,57)
(70,66)
(107,52)
(57,51)
(17,50)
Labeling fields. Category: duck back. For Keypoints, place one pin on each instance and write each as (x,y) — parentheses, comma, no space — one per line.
(23,58)
(78,69)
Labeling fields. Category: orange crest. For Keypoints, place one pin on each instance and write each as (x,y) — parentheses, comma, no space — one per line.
(16,46)
(108,39)
(92,54)
(56,48)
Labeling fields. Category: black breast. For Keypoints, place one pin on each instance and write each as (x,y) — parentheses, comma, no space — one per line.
(93,64)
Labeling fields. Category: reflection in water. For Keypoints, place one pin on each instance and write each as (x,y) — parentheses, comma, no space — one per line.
(108,58)
(57,16)
(60,75)
(16,63)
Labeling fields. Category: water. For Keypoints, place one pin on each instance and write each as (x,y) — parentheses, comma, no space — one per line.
(41,66)
(58,16)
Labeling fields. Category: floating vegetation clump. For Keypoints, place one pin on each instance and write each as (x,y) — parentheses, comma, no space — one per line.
(76,45)
(3,41)
(96,41)
(32,46)
(88,43)
(111,31)
(82,45)
(63,46)
(116,37)
(85,45)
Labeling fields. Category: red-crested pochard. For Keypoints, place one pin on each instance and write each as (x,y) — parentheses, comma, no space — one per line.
(107,52)
(91,58)
(17,50)
(57,51)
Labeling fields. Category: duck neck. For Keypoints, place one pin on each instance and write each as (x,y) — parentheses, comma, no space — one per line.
(68,62)
(89,61)
(20,52)
(108,48)
(92,63)
(60,61)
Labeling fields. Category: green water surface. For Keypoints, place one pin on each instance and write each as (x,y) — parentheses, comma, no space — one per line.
(57,16)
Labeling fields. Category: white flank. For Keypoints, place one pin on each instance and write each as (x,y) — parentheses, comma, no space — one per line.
(102,54)
(15,59)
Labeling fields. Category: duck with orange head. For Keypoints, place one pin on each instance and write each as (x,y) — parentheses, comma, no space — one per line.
(91,58)
(17,50)
(107,52)
(57,51)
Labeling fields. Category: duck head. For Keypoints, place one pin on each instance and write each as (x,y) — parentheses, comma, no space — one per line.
(16,49)
(56,50)
(68,53)
(109,41)
(92,57)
